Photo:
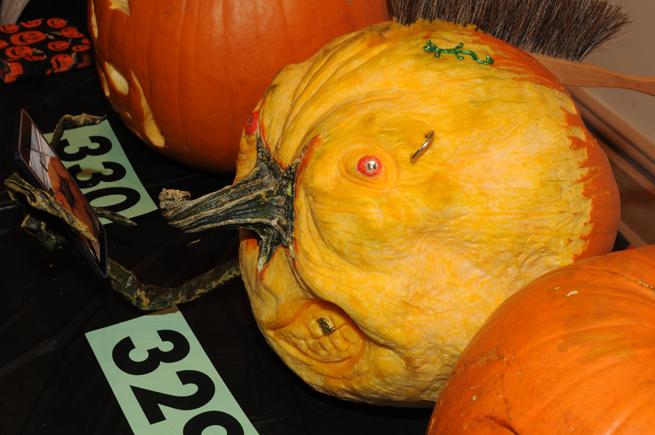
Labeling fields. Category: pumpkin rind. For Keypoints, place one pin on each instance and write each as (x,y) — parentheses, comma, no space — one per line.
(184,76)
(572,352)
(408,264)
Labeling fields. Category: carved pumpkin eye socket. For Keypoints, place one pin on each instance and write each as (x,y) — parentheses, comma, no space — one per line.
(369,165)
(253,123)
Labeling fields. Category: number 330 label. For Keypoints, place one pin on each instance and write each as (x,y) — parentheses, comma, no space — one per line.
(97,162)
(164,380)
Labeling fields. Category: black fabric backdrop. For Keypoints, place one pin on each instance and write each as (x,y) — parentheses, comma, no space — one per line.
(50,381)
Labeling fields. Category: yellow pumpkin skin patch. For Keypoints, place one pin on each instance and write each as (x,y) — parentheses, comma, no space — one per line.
(408,263)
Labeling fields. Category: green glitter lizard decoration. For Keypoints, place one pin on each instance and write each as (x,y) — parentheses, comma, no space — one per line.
(432,48)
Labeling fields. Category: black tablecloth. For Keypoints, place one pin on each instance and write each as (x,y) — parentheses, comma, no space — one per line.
(50,380)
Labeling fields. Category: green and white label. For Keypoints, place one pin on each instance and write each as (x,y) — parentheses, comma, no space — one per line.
(98,164)
(164,380)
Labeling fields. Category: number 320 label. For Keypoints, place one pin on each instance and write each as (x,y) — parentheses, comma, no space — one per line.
(164,380)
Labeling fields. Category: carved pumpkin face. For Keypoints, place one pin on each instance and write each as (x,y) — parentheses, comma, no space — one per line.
(414,193)
(58,45)
(57,23)
(61,62)
(81,47)
(19,51)
(71,32)
(9,28)
(27,37)
(3,44)
(31,23)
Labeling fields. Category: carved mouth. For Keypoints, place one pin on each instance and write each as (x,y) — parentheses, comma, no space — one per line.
(320,334)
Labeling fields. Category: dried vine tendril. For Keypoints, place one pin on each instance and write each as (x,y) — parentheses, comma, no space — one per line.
(432,48)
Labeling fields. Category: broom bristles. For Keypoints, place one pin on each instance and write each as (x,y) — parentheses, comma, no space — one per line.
(566,29)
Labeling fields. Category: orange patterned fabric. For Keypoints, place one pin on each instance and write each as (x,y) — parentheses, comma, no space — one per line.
(42,46)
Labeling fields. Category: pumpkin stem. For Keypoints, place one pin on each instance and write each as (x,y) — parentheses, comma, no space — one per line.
(152,297)
(262,201)
(68,122)
(39,203)
(31,198)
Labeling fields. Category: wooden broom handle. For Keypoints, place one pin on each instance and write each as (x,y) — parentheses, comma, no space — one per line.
(587,75)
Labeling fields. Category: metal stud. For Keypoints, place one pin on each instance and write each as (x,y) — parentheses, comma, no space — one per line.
(369,165)
(326,325)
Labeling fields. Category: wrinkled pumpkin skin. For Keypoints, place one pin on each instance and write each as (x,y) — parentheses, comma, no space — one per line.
(408,264)
(185,75)
(572,352)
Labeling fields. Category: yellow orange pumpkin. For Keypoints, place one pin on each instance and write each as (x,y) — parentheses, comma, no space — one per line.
(572,352)
(392,199)
(184,75)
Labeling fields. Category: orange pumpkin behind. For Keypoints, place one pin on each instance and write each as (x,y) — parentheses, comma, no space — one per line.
(184,75)
(571,353)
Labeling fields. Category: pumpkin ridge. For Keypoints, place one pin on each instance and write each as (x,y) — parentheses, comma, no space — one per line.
(335,48)
(307,91)
(340,74)
(630,413)
(600,270)
(179,119)
(499,422)
(551,396)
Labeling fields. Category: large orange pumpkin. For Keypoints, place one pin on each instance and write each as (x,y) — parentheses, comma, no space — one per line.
(571,353)
(184,75)
(377,252)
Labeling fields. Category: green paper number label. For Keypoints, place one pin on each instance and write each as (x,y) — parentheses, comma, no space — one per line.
(163,379)
(96,161)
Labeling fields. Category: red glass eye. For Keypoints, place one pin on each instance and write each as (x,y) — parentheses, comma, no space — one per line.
(369,165)
(253,123)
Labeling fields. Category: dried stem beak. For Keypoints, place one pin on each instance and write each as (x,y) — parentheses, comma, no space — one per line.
(262,201)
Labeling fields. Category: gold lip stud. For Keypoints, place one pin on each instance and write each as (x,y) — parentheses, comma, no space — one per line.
(326,325)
